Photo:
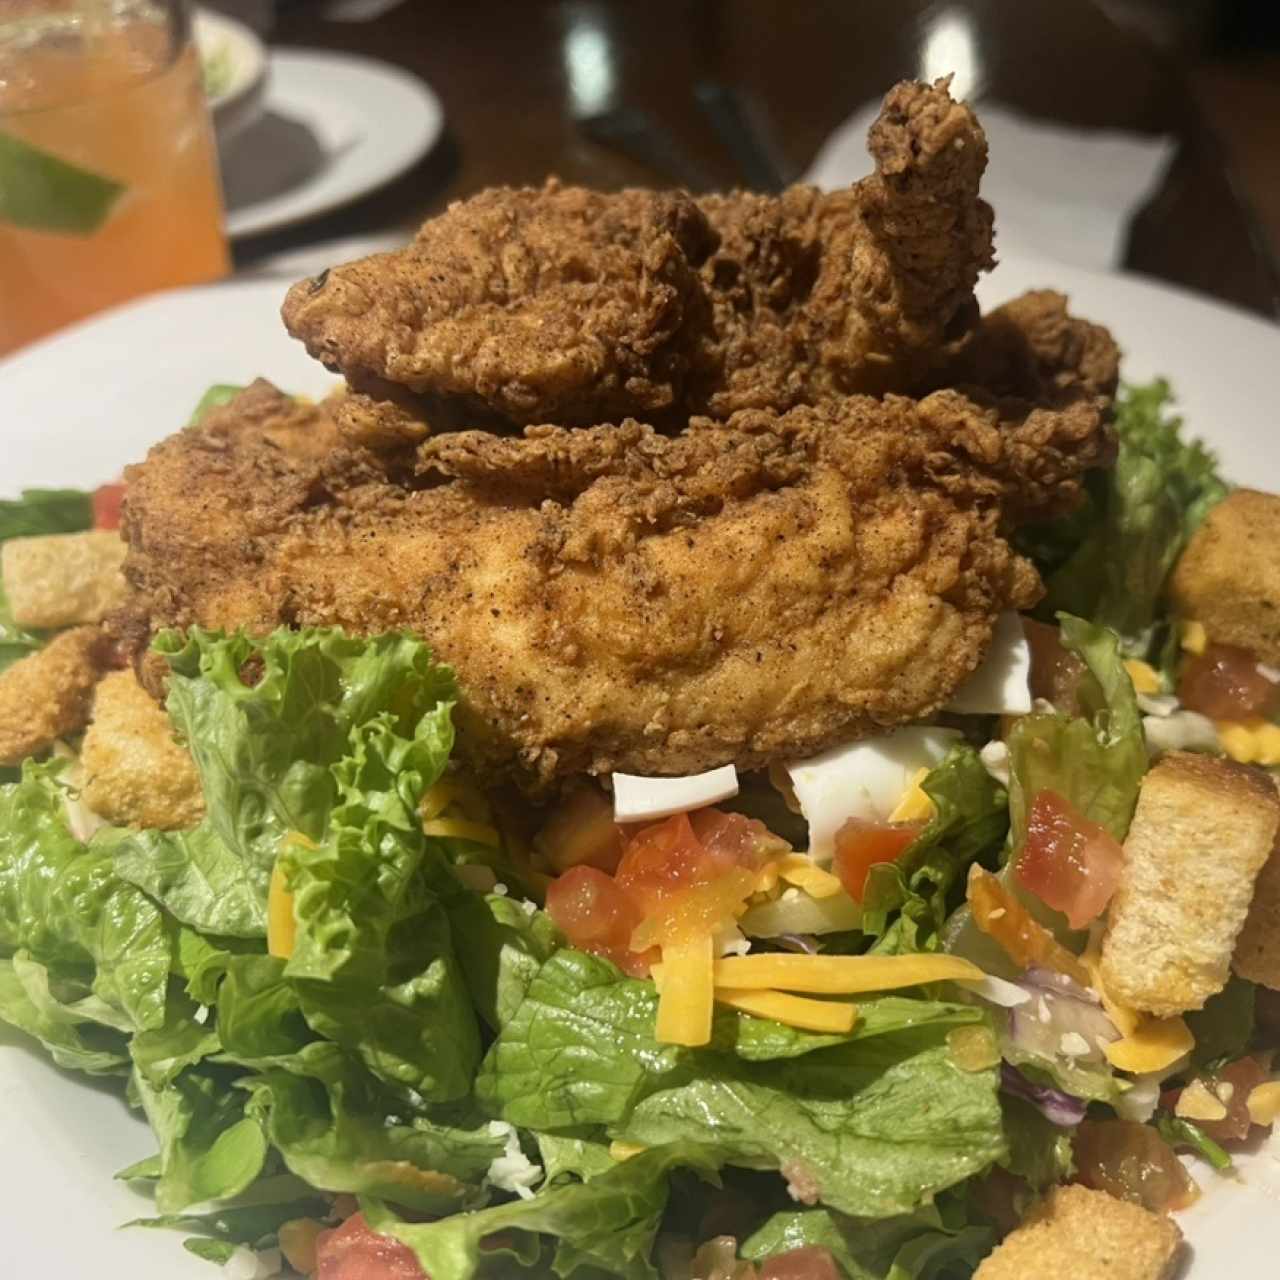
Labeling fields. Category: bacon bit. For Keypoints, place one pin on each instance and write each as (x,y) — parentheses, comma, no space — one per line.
(1224,683)
(1132,1162)
(1055,671)
(1027,942)
(810,1262)
(1067,861)
(354,1251)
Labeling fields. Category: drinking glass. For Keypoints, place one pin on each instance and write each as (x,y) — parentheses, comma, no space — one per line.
(108,173)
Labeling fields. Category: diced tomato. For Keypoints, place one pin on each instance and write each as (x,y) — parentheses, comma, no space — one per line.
(1132,1162)
(1067,861)
(354,1251)
(699,910)
(581,832)
(1024,939)
(1224,683)
(107,501)
(861,844)
(812,1262)
(597,915)
(1241,1077)
(733,840)
(1055,670)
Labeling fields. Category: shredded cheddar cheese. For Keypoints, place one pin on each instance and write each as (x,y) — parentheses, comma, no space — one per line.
(795,1011)
(625,1150)
(1264,1103)
(1253,741)
(838,975)
(800,870)
(282,928)
(687,993)
(1194,638)
(1146,1044)
(1144,676)
(915,805)
(462,829)
(767,878)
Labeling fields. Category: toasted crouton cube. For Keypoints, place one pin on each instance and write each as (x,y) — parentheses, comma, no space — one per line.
(1078,1234)
(1201,832)
(1228,578)
(136,775)
(47,694)
(60,579)
(1258,946)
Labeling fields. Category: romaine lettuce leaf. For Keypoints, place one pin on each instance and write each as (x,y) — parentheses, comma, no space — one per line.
(909,1247)
(63,902)
(605,1226)
(970,816)
(73,1034)
(214,398)
(1223,1029)
(41,511)
(1110,561)
(211,1148)
(265,749)
(1096,762)
(881,1119)
(341,1130)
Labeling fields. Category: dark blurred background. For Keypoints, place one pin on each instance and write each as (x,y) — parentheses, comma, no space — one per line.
(736,92)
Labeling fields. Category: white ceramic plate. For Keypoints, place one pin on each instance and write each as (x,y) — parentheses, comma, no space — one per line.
(333,127)
(74,409)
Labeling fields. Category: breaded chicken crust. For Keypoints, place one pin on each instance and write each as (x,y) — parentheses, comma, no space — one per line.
(558,304)
(612,598)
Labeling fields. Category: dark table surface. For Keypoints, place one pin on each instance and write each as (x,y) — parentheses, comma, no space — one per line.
(515,75)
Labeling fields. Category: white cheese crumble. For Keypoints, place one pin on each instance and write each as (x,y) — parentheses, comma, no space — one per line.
(512,1170)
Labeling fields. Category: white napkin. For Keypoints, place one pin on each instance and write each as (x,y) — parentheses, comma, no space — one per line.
(1067,193)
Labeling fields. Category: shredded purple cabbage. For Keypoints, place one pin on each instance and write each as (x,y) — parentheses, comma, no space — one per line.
(1056,1106)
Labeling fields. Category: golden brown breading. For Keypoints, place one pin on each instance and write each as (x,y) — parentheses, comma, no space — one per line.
(1200,834)
(62,579)
(570,306)
(613,598)
(1229,576)
(1078,1234)
(46,695)
(136,774)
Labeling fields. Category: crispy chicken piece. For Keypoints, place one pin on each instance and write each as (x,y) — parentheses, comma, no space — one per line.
(136,774)
(613,598)
(46,695)
(576,307)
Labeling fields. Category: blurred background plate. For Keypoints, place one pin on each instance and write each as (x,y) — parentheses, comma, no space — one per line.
(333,127)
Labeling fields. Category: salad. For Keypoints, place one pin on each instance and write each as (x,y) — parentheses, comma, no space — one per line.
(386,1023)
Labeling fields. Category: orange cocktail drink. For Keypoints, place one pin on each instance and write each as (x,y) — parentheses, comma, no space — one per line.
(108,175)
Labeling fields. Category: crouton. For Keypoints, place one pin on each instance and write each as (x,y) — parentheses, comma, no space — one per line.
(1258,946)
(47,694)
(1228,578)
(1078,1234)
(136,774)
(61,579)
(1201,832)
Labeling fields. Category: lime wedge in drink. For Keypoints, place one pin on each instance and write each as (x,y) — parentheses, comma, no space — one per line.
(42,193)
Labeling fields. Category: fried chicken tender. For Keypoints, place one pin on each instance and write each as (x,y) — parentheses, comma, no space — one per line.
(47,694)
(576,307)
(136,774)
(613,598)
